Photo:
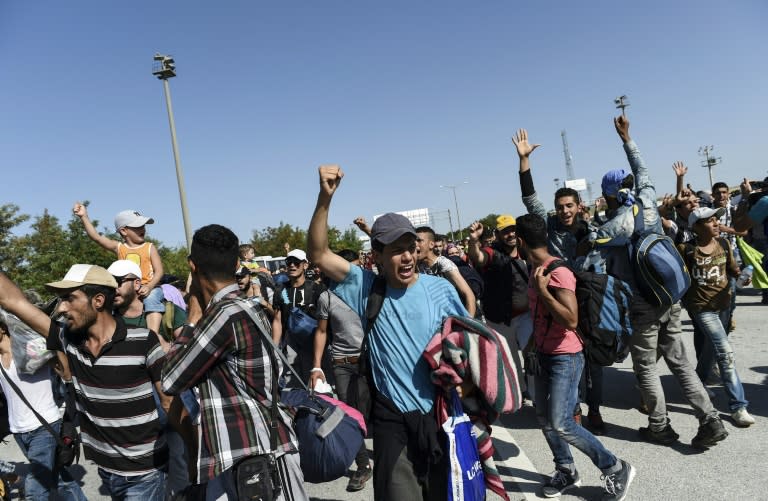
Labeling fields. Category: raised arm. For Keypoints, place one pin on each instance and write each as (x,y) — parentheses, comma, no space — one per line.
(333,266)
(680,171)
(465,292)
(530,199)
(362,225)
(80,211)
(476,254)
(13,300)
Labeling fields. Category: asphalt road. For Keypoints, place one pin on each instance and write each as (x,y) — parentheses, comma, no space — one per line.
(733,470)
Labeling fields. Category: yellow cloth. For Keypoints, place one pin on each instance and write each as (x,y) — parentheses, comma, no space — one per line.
(750,255)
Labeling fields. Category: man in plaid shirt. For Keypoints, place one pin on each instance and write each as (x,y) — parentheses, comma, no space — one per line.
(223,352)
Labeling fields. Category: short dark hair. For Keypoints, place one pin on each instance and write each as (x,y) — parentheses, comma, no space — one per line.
(377,245)
(215,252)
(91,290)
(427,229)
(532,228)
(348,254)
(567,192)
(719,185)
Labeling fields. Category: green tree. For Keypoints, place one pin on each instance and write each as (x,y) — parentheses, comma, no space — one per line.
(46,253)
(489,224)
(347,240)
(174,260)
(271,240)
(11,253)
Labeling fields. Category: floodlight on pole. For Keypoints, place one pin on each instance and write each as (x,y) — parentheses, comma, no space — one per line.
(453,187)
(621,102)
(709,162)
(164,68)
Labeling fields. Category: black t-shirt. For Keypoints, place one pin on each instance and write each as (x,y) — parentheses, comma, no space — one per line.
(506,286)
(305,297)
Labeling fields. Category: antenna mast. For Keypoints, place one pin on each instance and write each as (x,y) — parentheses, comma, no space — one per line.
(568,158)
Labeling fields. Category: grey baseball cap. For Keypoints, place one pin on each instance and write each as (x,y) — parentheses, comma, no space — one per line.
(389,227)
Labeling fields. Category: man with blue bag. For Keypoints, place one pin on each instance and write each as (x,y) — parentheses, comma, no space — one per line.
(405,436)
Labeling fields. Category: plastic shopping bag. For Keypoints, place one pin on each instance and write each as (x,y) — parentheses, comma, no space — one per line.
(27,346)
(752,256)
(466,481)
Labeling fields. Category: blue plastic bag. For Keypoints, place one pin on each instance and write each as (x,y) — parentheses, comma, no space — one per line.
(466,481)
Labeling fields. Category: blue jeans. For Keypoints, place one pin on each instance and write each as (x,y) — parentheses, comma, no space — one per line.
(39,447)
(712,324)
(557,391)
(148,487)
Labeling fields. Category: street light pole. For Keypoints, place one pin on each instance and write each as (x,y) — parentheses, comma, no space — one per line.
(456,203)
(710,162)
(165,68)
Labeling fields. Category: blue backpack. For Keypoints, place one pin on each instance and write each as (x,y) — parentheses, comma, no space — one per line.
(604,326)
(659,269)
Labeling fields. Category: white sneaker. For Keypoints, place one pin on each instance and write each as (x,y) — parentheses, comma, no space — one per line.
(742,418)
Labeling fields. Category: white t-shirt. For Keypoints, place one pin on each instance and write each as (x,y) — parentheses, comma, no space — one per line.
(37,389)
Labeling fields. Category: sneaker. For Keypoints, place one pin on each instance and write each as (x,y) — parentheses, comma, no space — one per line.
(742,418)
(596,423)
(710,432)
(616,484)
(665,436)
(560,482)
(359,478)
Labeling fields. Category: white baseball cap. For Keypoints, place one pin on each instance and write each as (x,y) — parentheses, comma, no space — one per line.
(124,267)
(131,219)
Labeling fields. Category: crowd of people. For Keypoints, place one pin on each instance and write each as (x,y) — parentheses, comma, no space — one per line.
(173,388)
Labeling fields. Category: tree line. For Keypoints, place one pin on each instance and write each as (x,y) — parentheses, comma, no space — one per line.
(47,251)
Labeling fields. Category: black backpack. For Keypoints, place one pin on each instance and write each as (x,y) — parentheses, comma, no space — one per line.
(604,303)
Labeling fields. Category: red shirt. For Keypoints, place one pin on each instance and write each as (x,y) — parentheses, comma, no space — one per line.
(555,340)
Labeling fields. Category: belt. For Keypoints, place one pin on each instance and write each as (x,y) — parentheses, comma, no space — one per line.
(345,360)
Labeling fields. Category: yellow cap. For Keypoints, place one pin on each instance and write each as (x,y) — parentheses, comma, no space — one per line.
(504,221)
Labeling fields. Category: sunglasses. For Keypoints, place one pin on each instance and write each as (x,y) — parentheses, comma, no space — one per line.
(121,280)
(292,262)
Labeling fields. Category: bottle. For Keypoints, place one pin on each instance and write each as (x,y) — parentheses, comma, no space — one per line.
(746,274)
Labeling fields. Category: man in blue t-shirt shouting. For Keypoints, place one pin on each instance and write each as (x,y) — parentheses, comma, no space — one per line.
(413,310)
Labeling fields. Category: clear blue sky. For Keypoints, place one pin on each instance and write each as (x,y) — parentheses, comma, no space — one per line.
(405,96)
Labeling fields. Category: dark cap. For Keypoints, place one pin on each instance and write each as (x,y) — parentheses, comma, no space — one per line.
(389,227)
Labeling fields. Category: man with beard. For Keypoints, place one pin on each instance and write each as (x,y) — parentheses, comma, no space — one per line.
(115,370)
(505,274)
(129,306)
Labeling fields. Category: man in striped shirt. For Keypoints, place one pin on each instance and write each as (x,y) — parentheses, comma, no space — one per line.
(115,371)
(224,352)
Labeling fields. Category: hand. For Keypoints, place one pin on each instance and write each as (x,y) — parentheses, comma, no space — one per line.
(330,178)
(313,377)
(361,223)
(475,231)
(524,148)
(287,247)
(746,187)
(79,210)
(541,280)
(143,291)
(680,169)
(622,127)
